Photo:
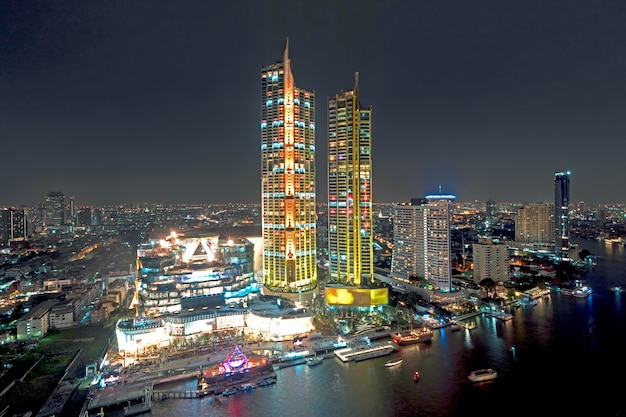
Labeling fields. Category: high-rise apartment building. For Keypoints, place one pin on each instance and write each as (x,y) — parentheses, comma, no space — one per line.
(561,216)
(287,181)
(350,241)
(422,242)
(534,224)
(408,231)
(13,225)
(491,260)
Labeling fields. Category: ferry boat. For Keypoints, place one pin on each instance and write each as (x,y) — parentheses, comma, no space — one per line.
(415,336)
(393,362)
(481,375)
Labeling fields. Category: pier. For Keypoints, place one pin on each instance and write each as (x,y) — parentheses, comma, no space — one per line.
(135,396)
(136,409)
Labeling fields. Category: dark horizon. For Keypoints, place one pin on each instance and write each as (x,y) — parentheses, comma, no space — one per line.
(130,102)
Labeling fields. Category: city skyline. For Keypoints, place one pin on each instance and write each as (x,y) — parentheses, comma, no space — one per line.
(156,102)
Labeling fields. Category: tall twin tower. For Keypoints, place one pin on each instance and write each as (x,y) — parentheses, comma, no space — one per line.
(288,193)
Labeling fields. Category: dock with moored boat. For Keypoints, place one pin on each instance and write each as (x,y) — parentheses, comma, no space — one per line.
(500,315)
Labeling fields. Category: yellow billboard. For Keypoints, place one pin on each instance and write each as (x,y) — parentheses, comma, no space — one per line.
(359,297)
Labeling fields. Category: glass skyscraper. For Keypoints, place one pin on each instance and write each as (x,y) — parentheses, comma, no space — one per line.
(350,241)
(561,216)
(287,181)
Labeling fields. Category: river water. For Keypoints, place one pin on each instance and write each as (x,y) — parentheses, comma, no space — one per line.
(564,356)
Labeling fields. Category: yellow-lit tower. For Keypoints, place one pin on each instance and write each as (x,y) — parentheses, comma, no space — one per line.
(287,182)
(350,238)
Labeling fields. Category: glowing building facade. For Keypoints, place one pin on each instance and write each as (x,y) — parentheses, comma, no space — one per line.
(561,216)
(350,241)
(194,268)
(287,182)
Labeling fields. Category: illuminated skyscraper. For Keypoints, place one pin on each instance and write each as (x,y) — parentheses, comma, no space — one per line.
(350,242)
(561,216)
(287,181)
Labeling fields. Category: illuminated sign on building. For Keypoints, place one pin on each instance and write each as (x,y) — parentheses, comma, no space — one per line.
(359,297)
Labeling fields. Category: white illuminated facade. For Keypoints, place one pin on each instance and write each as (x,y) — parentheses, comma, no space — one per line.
(422,241)
(491,260)
(270,324)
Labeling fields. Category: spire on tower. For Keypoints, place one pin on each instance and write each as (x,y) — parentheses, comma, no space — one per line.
(286,51)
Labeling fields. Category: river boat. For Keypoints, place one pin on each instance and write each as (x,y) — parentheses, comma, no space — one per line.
(247,387)
(617,289)
(416,376)
(393,362)
(482,375)
(229,392)
(471,325)
(582,292)
(423,335)
(314,360)
(501,315)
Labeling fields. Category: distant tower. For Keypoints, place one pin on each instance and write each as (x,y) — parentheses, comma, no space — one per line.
(490,210)
(287,182)
(561,216)
(350,240)
(55,210)
(72,212)
(84,217)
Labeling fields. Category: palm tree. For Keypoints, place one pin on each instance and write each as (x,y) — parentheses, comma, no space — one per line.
(487,285)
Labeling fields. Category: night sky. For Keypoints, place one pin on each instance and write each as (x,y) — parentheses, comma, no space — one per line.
(159,101)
